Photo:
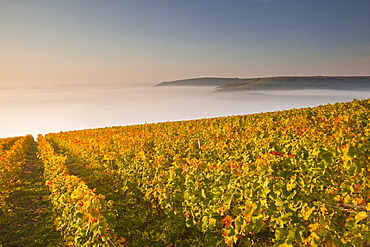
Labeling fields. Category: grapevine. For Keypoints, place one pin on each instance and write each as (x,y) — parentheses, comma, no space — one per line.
(300,177)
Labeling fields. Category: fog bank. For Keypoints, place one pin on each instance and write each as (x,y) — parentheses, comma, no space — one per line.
(45,109)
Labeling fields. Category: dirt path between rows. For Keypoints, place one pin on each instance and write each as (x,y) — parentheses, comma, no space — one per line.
(30,223)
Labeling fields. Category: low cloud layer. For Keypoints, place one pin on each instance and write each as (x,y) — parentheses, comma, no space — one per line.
(45,109)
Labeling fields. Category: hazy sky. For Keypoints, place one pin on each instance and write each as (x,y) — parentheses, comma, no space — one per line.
(136,41)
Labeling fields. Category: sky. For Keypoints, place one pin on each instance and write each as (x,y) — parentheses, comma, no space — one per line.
(133,41)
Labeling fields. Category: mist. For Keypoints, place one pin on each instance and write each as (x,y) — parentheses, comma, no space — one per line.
(44,109)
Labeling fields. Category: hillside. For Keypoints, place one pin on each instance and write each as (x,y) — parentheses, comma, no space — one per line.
(205,81)
(297,177)
(278,83)
(301,83)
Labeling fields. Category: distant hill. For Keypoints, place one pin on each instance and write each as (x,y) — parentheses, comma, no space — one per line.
(300,83)
(205,81)
(278,83)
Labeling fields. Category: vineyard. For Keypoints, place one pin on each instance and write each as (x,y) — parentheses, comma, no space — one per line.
(290,178)
(13,154)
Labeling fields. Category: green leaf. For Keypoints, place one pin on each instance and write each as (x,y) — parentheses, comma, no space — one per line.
(238,223)
(280,234)
(291,235)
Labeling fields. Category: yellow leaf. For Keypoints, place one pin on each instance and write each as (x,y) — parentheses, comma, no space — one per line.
(360,216)
(307,214)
